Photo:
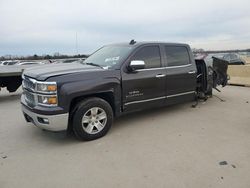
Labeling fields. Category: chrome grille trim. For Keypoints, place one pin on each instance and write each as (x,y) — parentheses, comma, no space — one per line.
(29,83)
(30,98)
(31,94)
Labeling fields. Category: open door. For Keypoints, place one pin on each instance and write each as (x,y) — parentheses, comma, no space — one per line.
(220,76)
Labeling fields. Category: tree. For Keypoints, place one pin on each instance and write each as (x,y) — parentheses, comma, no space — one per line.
(35,56)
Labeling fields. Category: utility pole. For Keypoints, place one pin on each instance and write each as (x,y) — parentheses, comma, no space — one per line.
(76,45)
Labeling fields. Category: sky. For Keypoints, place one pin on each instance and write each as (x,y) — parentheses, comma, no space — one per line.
(30,27)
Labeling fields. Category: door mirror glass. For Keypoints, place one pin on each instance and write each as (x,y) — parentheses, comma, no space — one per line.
(136,64)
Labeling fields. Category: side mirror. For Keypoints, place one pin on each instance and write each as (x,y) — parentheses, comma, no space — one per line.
(136,64)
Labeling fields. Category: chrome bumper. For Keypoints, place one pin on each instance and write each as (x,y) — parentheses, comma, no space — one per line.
(47,122)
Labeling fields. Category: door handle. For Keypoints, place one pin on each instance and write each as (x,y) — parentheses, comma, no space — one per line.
(191,72)
(160,75)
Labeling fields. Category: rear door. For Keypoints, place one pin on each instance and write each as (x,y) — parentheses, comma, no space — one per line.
(180,73)
(144,88)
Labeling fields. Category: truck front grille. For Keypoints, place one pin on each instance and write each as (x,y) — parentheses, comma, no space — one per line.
(29,83)
(29,98)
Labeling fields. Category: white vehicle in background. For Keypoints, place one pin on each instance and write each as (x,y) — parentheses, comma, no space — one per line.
(24,62)
(10,76)
(11,71)
(9,62)
(70,60)
(32,63)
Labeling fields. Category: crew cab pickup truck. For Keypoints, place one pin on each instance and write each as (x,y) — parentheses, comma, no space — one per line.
(116,79)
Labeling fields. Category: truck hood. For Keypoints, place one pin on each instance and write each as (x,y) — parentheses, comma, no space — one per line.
(43,72)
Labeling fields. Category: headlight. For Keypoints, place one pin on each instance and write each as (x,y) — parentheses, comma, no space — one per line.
(49,89)
(40,93)
(46,87)
(47,100)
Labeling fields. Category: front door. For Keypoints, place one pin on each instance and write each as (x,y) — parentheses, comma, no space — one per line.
(144,88)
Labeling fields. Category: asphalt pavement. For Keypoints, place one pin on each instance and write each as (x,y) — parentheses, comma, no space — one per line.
(175,147)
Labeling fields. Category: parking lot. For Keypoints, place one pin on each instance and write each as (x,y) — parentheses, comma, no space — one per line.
(177,146)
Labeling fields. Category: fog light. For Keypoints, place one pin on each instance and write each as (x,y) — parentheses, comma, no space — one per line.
(43,120)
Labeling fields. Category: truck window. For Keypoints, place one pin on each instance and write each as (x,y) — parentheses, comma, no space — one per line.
(150,55)
(109,56)
(177,56)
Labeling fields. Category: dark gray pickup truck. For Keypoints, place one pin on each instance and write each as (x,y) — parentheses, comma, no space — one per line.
(116,79)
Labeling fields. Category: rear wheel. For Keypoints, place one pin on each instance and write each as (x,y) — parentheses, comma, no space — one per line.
(92,119)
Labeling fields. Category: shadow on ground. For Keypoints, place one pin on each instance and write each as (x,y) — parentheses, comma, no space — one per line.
(8,98)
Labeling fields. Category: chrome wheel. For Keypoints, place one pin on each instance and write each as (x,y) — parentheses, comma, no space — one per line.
(94,120)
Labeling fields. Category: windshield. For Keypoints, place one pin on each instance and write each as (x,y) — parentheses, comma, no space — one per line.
(109,56)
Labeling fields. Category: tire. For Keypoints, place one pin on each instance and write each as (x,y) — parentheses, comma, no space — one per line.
(92,119)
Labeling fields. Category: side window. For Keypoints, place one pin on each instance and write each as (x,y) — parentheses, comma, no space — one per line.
(233,56)
(177,55)
(226,57)
(150,55)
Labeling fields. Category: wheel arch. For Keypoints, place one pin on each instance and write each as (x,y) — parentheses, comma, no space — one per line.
(106,95)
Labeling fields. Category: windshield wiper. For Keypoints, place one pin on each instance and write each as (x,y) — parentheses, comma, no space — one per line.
(94,64)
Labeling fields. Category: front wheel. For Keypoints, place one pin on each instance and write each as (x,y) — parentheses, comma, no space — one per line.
(92,119)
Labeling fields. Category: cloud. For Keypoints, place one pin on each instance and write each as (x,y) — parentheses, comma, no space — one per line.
(48,26)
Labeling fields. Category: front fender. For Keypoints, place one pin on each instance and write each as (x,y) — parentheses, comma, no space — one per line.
(70,91)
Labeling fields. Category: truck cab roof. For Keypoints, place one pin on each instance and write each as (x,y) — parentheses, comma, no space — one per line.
(136,44)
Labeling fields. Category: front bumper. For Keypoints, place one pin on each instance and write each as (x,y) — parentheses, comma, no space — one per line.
(48,122)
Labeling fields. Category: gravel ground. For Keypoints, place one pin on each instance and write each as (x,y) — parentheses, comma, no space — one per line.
(177,147)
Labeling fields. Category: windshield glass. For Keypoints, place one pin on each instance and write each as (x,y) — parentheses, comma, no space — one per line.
(109,56)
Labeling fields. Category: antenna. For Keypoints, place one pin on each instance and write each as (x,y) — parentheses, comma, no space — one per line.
(132,42)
